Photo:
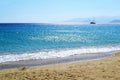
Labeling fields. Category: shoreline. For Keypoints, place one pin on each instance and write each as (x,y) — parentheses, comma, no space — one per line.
(52,61)
(103,69)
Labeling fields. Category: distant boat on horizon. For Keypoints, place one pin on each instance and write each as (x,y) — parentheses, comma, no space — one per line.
(92,22)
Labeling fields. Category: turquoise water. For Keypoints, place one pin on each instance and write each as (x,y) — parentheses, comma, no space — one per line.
(41,41)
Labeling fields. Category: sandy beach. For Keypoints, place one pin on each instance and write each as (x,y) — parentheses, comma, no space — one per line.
(103,69)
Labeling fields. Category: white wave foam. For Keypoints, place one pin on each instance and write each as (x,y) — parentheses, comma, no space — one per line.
(56,53)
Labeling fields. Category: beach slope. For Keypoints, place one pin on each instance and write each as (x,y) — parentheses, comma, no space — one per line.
(104,69)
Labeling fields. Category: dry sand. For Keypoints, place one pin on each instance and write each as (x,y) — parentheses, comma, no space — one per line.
(104,69)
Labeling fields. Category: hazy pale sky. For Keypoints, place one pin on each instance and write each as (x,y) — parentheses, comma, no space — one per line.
(55,10)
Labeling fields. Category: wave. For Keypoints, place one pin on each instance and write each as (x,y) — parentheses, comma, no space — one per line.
(57,53)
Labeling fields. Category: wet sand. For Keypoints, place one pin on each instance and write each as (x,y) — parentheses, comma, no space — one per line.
(41,62)
(103,69)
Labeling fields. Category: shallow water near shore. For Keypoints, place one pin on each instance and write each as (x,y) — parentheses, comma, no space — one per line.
(52,61)
(44,41)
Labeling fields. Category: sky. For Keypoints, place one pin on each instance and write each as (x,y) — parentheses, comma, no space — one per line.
(48,11)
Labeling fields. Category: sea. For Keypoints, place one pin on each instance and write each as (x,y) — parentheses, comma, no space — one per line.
(25,41)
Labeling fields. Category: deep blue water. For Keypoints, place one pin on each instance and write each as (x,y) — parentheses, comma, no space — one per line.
(32,38)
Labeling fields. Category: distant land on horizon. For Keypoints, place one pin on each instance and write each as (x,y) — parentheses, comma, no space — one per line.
(115,21)
(98,20)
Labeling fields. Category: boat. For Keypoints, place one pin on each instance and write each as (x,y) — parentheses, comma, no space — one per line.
(92,22)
